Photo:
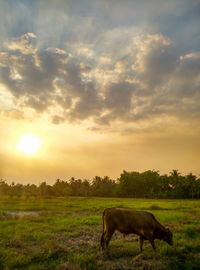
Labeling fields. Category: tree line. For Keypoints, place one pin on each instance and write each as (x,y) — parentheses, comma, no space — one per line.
(148,184)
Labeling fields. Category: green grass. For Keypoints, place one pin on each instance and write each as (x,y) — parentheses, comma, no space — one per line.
(67,231)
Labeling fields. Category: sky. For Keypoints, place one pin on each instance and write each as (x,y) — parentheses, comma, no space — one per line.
(105,86)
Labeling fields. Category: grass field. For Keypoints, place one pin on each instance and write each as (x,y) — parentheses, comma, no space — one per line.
(64,233)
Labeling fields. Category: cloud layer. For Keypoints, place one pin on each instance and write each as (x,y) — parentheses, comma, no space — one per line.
(125,71)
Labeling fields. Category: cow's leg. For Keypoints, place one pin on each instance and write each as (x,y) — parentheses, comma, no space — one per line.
(141,240)
(108,236)
(152,243)
(102,240)
(151,239)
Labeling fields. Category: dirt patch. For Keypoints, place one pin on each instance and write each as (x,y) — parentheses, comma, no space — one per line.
(123,259)
(91,238)
(109,262)
(118,257)
(147,262)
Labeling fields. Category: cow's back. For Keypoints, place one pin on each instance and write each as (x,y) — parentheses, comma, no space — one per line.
(129,221)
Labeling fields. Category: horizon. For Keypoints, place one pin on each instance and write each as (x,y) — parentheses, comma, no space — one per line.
(97,87)
(91,179)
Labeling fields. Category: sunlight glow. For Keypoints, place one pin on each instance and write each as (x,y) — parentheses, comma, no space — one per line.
(29,144)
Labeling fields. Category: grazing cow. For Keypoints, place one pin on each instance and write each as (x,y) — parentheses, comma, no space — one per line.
(128,221)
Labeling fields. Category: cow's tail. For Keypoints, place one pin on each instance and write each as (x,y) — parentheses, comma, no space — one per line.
(102,236)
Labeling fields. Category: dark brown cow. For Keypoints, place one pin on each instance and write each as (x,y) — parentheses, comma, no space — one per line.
(129,221)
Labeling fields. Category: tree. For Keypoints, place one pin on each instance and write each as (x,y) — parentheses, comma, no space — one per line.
(151,183)
(4,188)
(45,190)
(192,186)
(31,190)
(131,184)
(103,187)
(61,188)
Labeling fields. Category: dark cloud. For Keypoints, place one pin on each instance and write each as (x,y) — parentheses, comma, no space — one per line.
(14,85)
(40,103)
(117,102)
(89,103)
(159,63)
(118,96)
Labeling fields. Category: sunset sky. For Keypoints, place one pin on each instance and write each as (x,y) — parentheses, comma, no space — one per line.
(94,87)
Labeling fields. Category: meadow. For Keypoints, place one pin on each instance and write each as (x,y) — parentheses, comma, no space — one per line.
(64,233)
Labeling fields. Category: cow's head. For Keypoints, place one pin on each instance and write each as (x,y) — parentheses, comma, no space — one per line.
(168,236)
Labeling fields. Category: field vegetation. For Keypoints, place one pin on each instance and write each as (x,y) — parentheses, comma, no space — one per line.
(64,233)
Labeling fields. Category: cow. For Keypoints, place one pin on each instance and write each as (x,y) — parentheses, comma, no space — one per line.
(128,221)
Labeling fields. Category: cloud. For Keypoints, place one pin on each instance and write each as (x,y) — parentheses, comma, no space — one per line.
(117,102)
(189,66)
(47,78)
(155,58)
(89,103)
(24,44)
(148,80)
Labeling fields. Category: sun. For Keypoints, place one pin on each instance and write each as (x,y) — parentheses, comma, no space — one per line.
(29,144)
